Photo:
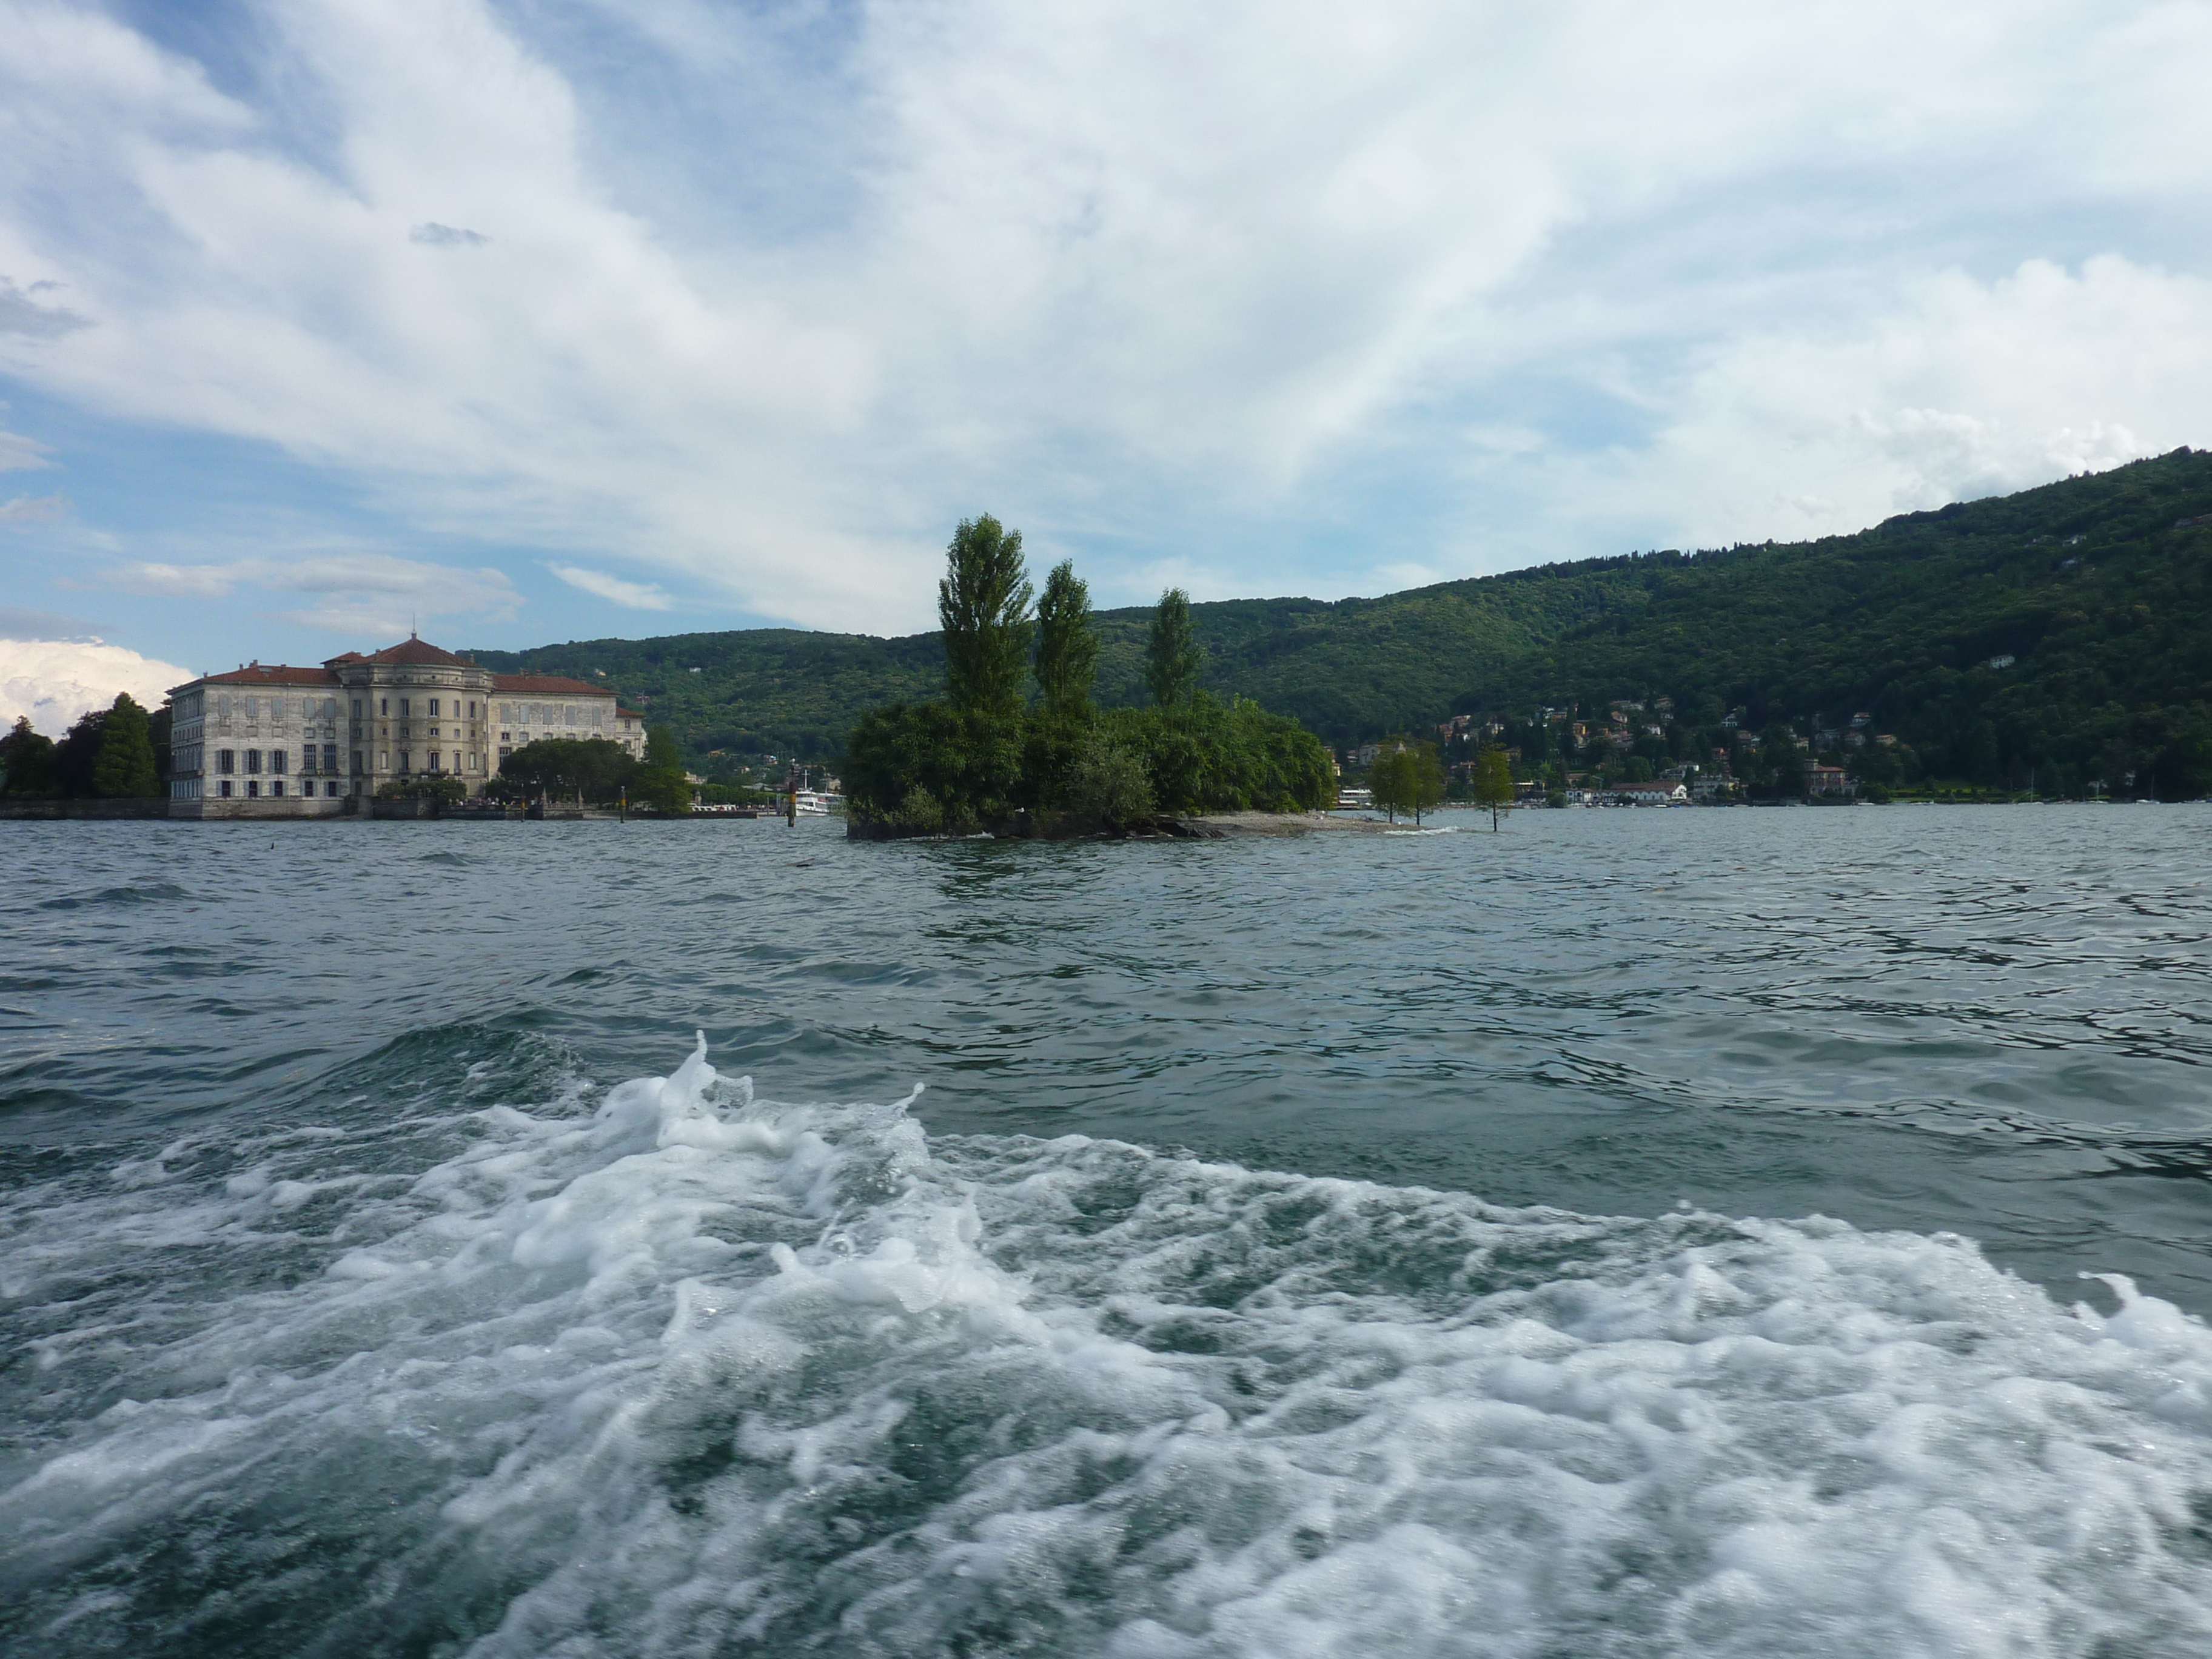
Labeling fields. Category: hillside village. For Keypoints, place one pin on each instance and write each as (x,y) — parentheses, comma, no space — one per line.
(1640,752)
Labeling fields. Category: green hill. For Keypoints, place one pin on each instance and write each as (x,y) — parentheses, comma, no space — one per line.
(2104,604)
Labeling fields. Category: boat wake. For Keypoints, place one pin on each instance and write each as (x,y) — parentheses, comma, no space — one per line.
(670,1370)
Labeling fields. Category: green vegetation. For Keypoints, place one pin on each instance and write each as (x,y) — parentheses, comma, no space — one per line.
(983,617)
(2089,584)
(109,753)
(597,770)
(983,756)
(1067,644)
(1408,779)
(1173,657)
(1493,783)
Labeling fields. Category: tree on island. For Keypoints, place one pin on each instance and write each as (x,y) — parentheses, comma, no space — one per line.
(1067,643)
(983,606)
(1493,783)
(985,756)
(124,767)
(1173,657)
(1410,779)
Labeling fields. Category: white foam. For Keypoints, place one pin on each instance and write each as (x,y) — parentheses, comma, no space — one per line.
(684,1371)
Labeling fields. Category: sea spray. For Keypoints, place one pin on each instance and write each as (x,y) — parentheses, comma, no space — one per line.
(672,1370)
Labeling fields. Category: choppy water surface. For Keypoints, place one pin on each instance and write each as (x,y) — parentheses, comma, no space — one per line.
(1636,1233)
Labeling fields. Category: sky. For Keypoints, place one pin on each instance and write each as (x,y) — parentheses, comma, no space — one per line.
(524,320)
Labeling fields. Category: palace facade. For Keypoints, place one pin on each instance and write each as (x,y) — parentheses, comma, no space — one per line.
(299,742)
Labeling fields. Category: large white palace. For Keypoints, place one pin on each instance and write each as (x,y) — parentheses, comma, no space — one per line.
(300,741)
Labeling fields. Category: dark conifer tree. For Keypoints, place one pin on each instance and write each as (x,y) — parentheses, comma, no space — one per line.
(125,765)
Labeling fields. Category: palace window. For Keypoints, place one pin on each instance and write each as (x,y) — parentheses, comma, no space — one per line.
(222,789)
(277,757)
(226,760)
(331,758)
(384,705)
(252,789)
(332,787)
(357,708)
(402,708)
(276,786)
(253,760)
(434,709)
(307,757)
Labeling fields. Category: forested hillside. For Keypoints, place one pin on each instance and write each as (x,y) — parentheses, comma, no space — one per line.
(2102,600)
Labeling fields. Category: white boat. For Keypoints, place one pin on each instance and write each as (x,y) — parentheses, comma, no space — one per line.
(820,802)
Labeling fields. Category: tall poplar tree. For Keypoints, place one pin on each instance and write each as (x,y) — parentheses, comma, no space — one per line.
(1067,644)
(983,606)
(1173,657)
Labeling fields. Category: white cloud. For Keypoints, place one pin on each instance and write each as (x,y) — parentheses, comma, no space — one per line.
(33,509)
(638,595)
(55,681)
(1485,281)
(350,592)
(1963,389)
(20,454)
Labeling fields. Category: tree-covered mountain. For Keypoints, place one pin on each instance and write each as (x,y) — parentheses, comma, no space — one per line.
(2094,586)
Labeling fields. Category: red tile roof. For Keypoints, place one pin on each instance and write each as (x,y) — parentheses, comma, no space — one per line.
(420,653)
(634,713)
(550,684)
(274,674)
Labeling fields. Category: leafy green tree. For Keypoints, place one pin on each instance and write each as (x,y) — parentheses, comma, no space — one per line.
(78,753)
(983,609)
(125,765)
(1493,783)
(27,768)
(588,768)
(1111,784)
(665,789)
(661,783)
(1068,644)
(1409,780)
(1173,657)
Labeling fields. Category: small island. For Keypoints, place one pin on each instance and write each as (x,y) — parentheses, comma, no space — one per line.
(1018,747)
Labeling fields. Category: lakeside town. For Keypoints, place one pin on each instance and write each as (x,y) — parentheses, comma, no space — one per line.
(1633,752)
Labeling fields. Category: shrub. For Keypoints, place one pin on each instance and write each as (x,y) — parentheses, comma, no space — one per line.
(1111,785)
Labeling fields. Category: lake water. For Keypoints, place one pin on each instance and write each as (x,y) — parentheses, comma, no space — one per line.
(1634,1233)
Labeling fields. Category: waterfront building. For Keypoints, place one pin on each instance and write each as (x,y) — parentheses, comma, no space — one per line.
(301,742)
